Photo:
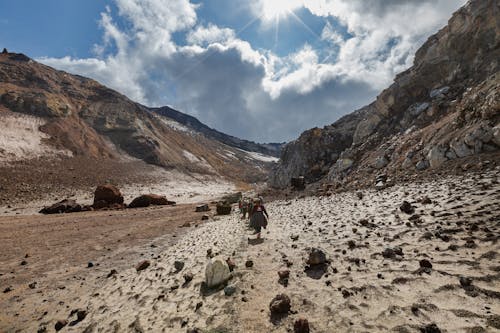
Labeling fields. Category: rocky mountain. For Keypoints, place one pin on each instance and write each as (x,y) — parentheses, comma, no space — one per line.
(445,107)
(47,114)
(271,149)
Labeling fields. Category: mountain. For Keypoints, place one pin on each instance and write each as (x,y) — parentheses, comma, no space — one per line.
(445,107)
(271,149)
(52,122)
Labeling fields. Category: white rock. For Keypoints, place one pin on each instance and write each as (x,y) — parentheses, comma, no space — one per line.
(460,148)
(436,156)
(380,162)
(496,135)
(217,272)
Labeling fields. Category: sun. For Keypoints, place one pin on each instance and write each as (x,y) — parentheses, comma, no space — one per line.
(275,9)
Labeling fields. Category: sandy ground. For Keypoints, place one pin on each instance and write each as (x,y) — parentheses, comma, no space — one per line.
(360,290)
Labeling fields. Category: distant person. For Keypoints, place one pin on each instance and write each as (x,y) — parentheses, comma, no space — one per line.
(243,208)
(259,217)
(250,208)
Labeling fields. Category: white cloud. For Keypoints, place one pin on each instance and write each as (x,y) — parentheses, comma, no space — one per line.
(254,93)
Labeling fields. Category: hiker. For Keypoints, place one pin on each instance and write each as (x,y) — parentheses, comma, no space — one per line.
(250,208)
(259,217)
(243,208)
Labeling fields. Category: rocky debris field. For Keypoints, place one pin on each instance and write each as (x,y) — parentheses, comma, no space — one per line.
(417,257)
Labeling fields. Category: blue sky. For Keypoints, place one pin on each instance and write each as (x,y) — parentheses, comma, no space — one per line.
(259,69)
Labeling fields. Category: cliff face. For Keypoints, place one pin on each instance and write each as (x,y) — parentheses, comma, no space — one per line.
(446,106)
(79,117)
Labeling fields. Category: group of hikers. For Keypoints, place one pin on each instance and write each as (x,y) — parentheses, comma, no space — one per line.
(254,210)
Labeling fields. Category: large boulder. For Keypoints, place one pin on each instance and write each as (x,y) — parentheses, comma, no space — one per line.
(436,156)
(202,208)
(298,183)
(223,208)
(147,200)
(217,272)
(64,206)
(107,196)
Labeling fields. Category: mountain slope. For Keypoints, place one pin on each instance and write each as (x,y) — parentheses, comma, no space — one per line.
(271,149)
(446,106)
(51,115)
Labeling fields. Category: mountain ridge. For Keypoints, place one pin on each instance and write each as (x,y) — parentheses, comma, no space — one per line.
(446,106)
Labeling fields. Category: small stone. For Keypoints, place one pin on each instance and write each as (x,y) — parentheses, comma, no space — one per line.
(249,263)
(316,257)
(90,264)
(32,285)
(424,263)
(231,264)
(407,208)
(8,289)
(142,265)
(284,274)
(301,326)
(60,324)
(188,277)
(280,304)
(431,328)
(24,262)
(178,265)
(229,290)
(111,273)
(465,281)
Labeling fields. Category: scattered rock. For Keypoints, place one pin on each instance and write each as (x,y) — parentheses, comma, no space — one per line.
(230,264)
(112,273)
(60,324)
(107,196)
(142,265)
(431,328)
(202,208)
(249,264)
(147,200)
(465,282)
(229,290)
(424,263)
(64,206)
(178,265)
(205,217)
(188,277)
(216,273)
(223,208)
(280,304)
(407,208)
(301,325)
(316,257)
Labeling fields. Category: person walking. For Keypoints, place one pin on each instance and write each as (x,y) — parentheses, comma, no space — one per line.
(259,217)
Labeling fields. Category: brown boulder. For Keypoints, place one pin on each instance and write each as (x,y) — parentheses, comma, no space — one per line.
(147,200)
(107,195)
(64,206)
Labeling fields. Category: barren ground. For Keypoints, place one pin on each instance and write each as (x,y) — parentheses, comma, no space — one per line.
(360,290)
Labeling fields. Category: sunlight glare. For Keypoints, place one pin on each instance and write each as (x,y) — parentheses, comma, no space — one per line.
(273,9)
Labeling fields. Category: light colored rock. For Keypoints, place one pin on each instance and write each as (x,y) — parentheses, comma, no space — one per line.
(344,164)
(380,162)
(460,148)
(366,127)
(450,154)
(217,272)
(407,163)
(440,92)
(496,135)
(436,156)
(422,165)
(417,109)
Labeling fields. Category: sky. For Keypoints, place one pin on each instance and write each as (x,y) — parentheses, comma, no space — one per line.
(263,70)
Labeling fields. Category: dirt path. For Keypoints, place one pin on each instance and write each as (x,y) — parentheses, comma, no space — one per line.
(373,281)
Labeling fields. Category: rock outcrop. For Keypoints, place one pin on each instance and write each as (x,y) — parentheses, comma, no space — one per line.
(445,107)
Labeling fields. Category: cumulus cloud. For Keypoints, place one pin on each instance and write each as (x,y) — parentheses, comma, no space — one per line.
(253,93)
